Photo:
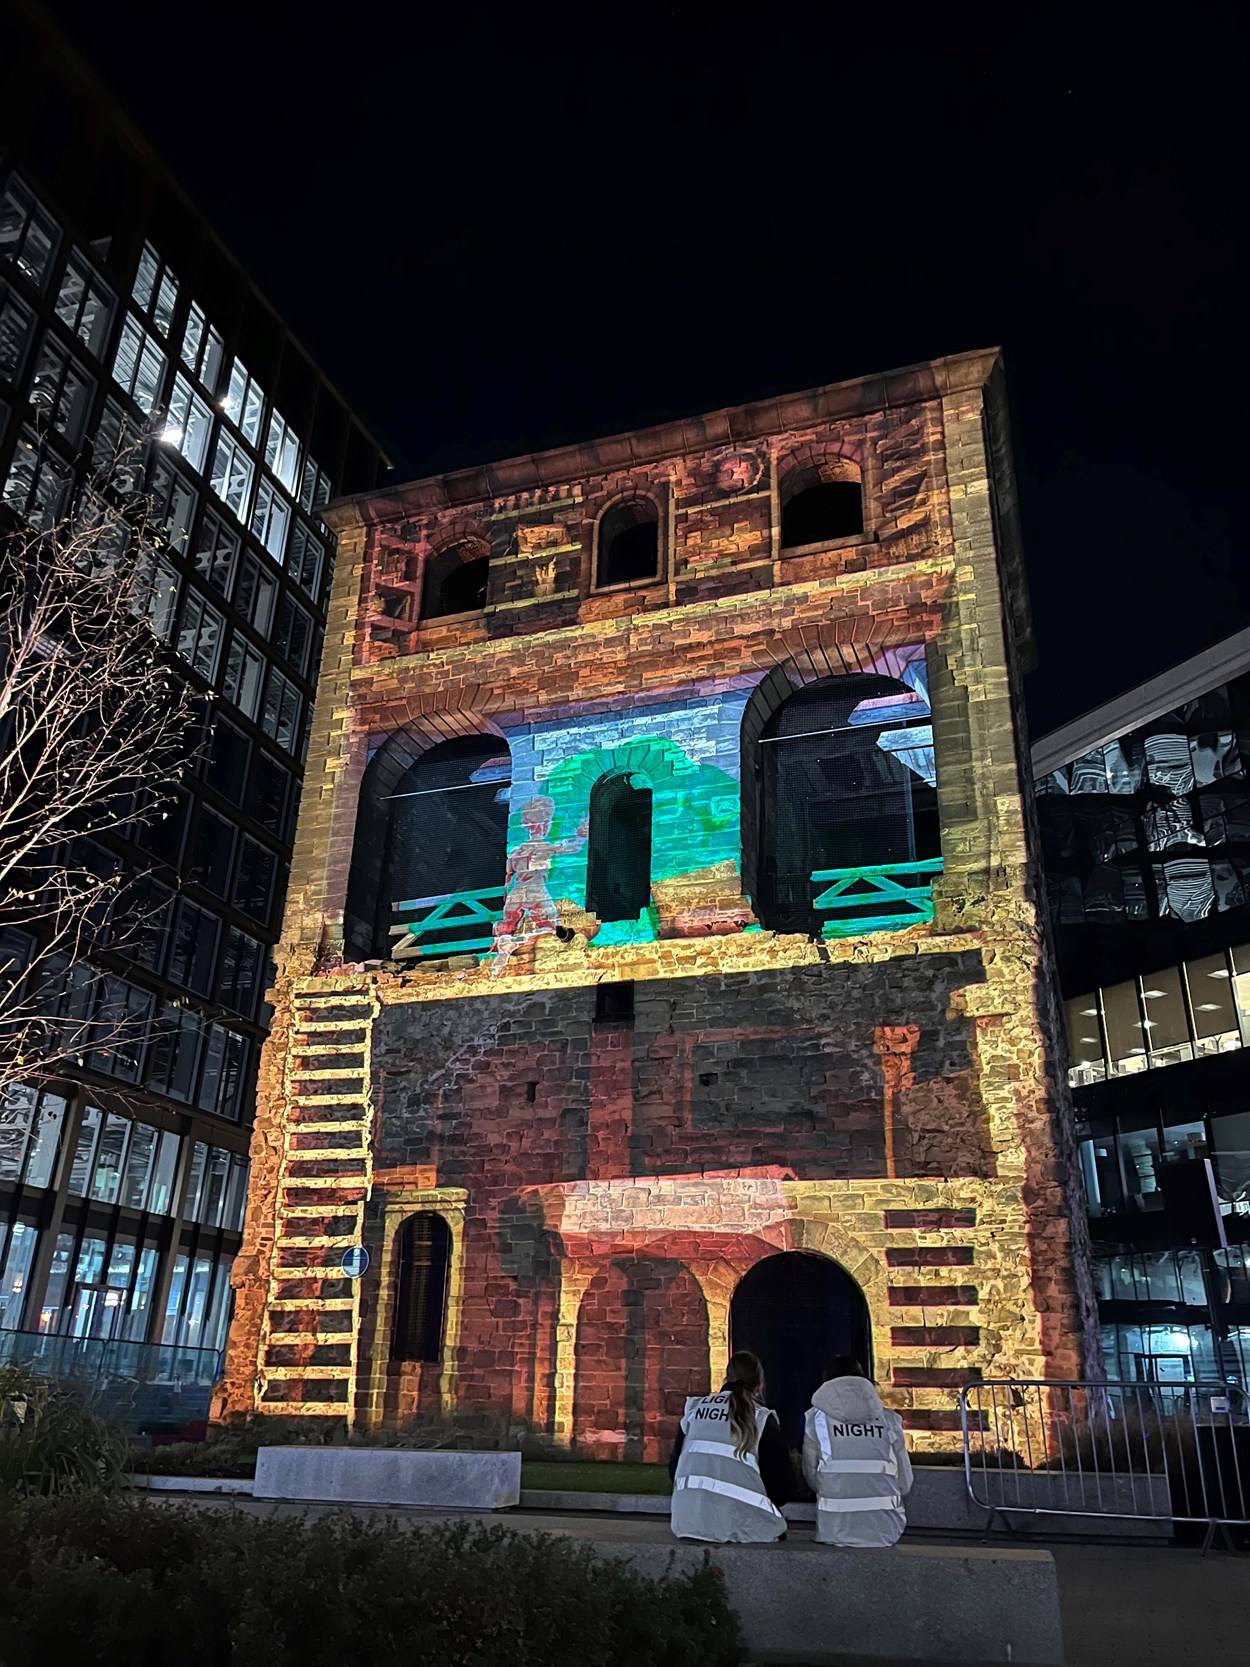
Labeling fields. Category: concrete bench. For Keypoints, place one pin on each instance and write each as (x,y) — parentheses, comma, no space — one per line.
(389,1476)
(910,1603)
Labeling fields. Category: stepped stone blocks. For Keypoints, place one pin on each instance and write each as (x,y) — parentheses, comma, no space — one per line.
(603,1115)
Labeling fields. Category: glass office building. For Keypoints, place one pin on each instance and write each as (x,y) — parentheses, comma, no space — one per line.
(126,326)
(1145,816)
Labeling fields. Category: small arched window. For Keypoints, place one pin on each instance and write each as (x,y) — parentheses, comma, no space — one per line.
(820,503)
(618,868)
(629,543)
(847,783)
(423,1263)
(455,580)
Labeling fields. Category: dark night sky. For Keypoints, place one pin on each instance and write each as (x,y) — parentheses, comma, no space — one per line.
(498,231)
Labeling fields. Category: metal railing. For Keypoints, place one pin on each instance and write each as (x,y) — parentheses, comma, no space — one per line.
(142,1388)
(1152,1452)
(883,898)
(468,916)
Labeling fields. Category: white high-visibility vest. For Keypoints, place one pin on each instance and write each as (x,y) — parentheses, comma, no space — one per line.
(717,1493)
(856,1462)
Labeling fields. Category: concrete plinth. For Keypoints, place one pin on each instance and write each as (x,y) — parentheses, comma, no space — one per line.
(389,1476)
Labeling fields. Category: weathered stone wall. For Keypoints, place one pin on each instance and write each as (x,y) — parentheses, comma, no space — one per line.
(892,1101)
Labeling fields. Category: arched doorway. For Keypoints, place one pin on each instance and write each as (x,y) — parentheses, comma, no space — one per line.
(794,1310)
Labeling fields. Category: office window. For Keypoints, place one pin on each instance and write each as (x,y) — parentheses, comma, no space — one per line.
(241,973)
(61,391)
(281,716)
(17,324)
(106,1177)
(139,1309)
(226,768)
(39,482)
(212,851)
(244,402)
(282,450)
(200,635)
(253,886)
(116,447)
(85,304)
(30,1132)
(202,349)
(164,1173)
(156,587)
(139,1158)
(28,234)
(15,1272)
(231,474)
(255,596)
(176,1045)
(236,1196)
(139,364)
(271,519)
(221,1083)
(271,788)
(171,503)
(195,1181)
(143,936)
(193,952)
(245,671)
(164,826)
(216,1180)
(156,289)
(314,492)
(293,638)
(217,553)
(122,1014)
(84,1151)
(305,561)
(188,423)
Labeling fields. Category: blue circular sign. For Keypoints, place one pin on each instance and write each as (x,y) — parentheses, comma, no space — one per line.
(355,1261)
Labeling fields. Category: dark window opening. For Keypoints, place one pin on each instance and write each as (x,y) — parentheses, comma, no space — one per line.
(423,1255)
(815,511)
(614,1004)
(446,832)
(455,582)
(618,871)
(847,781)
(629,543)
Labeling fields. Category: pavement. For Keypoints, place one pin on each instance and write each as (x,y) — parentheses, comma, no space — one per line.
(1122,1605)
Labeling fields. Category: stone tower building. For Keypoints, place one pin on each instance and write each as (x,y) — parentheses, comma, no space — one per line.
(662,967)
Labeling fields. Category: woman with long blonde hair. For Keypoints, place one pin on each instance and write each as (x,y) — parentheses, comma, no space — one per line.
(730,1469)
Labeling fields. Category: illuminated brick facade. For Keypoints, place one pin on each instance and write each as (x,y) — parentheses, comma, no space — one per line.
(603,1071)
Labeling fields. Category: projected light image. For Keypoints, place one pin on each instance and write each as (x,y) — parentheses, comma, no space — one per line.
(635,825)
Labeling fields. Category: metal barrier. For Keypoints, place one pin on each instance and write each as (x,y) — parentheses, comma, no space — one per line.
(1153,1452)
(142,1388)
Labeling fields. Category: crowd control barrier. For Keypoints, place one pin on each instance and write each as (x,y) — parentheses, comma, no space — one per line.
(1163,1454)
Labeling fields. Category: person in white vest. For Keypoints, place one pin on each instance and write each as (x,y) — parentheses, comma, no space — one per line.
(855,1460)
(730,1468)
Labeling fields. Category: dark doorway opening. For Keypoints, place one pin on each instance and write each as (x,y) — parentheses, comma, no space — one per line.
(794,1310)
(423,1251)
(618,872)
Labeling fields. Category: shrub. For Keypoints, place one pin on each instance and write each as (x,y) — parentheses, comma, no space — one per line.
(50,1442)
(117,1582)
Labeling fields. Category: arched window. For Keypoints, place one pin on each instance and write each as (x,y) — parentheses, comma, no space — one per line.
(455,580)
(618,864)
(847,782)
(629,543)
(422,1264)
(821,502)
(445,840)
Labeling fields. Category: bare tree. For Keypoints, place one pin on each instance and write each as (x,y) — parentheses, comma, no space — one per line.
(95,726)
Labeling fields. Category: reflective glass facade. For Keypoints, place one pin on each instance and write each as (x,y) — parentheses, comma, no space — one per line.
(132,344)
(1146,843)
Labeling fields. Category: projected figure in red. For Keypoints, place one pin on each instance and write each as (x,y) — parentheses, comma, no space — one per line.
(529,911)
